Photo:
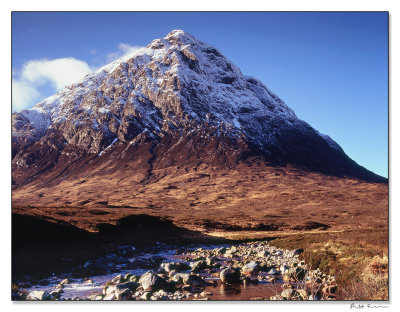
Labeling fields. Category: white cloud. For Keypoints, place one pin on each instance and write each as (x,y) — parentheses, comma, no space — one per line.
(56,73)
(59,72)
(23,94)
(35,73)
(123,50)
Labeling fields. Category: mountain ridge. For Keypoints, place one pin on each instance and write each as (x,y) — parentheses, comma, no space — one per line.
(176,92)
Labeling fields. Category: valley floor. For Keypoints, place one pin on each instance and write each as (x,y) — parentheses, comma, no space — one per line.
(342,224)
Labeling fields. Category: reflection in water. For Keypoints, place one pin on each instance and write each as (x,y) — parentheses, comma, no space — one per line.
(229,290)
(241,291)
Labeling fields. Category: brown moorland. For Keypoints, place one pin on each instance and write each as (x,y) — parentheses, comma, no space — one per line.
(171,156)
(248,201)
(341,223)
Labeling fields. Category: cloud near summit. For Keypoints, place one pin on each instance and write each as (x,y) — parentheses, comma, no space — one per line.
(56,74)
(36,73)
(123,50)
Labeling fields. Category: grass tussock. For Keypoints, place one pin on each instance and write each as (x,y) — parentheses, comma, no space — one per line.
(357,258)
(373,282)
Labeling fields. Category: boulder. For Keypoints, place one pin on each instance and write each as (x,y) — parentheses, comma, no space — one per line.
(198,266)
(180,277)
(151,281)
(123,295)
(161,295)
(263,254)
(220,251)
(167,267)
(93,297)
(127,285)
(277,297)
(39,295)
(251,269)
(146,296)
(56,294)
(117,279)
(231,253)
(209,261)
(230,275)
(127,277)
(108,290)
(287,294)
(110,297)
(182,266)
(194,280)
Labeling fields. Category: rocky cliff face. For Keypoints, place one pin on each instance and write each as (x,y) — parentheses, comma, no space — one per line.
(178,101)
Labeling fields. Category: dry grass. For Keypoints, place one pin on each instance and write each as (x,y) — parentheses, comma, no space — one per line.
(357,258)
(255,198)
(341,223)
(373,284)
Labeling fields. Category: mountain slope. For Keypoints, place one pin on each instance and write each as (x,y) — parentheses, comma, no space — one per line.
(177,102)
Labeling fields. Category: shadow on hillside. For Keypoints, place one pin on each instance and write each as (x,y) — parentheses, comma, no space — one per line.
(41,246)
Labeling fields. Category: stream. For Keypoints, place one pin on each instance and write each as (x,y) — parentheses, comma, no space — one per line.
(252,271)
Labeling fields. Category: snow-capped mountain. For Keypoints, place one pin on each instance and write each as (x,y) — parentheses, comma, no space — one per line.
(185,98)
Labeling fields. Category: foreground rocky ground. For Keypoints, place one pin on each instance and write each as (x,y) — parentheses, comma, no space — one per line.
(203,153)
(194,274)
(330,218)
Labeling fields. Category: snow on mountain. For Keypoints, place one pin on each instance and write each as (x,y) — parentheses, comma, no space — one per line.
(175,81)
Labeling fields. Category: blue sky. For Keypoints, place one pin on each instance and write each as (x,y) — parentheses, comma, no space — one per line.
(330,68)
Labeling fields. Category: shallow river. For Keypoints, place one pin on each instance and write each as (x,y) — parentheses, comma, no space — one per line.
(133,261)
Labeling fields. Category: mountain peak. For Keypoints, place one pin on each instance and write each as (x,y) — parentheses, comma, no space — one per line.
(179,34)
(176,33)
(176,86)
(175,39)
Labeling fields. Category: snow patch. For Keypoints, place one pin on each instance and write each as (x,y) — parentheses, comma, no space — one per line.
(108,147)
(195,77)
(103,110)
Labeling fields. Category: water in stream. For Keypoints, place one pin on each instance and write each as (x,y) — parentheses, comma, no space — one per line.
(271,263)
